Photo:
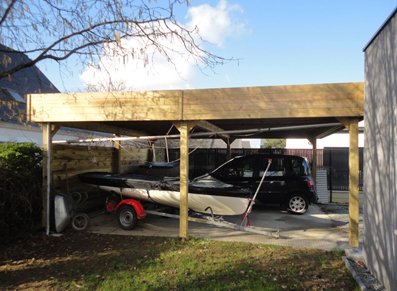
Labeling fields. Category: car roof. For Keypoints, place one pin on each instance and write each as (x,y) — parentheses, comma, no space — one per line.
(268,156)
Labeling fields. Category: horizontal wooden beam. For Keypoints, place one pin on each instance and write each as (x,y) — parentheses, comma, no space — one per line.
(95,126)
(211,127)
(307,101)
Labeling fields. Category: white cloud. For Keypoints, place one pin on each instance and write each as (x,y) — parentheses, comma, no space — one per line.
(215,25)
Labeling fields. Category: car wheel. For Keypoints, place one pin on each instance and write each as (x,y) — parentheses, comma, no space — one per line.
(297,204)
(127,217)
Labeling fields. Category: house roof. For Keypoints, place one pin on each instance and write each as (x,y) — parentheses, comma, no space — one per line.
(380,29)
(27,81)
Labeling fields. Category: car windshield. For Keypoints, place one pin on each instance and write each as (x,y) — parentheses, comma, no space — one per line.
(238,168)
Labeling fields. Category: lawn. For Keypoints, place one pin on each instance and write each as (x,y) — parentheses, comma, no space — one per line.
(84,261)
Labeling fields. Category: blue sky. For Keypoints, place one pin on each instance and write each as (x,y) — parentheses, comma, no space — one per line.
(278,43)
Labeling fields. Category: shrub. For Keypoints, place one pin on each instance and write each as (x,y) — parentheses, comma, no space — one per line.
(20,189)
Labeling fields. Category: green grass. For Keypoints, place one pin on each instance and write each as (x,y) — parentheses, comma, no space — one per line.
(80,261)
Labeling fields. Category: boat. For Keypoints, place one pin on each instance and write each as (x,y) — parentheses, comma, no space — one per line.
(209,196)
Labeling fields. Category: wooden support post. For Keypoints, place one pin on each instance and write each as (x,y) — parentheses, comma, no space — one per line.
(49,130)
(184,129)
(314,159)
(228,142)
(151,153)
(116,163)
(353,183)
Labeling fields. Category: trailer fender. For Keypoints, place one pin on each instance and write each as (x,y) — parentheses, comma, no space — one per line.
(140,211)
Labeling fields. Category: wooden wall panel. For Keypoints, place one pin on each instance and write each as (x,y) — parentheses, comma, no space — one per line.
(132,158)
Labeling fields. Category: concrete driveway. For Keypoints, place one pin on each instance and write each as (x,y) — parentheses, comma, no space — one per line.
(314,229)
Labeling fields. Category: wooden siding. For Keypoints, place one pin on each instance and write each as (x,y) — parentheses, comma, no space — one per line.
(320,100)
(71,160)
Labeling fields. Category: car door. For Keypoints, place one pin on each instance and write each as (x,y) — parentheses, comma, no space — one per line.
(239,172)
(273,187)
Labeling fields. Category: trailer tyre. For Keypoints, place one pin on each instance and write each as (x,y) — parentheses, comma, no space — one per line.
(297,204)
(80,221)
(127,217)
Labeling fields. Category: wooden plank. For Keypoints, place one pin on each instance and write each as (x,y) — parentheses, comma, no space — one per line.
(281,113)
(104,128)
(137,105)
(353,184)
(320,100)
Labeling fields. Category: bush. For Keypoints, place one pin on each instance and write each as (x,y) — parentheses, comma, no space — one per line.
(20,189)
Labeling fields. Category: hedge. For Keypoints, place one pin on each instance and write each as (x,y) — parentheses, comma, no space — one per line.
(20,189)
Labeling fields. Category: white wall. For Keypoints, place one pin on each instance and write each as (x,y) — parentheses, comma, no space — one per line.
(337,140)
(380,156)
(10,132)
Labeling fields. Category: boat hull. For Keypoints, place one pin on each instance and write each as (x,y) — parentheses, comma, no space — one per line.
(222,198)
(220,205)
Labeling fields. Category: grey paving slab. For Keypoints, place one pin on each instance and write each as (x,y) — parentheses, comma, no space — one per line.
(314,229)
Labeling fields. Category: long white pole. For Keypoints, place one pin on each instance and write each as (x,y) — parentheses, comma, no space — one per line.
(200,134)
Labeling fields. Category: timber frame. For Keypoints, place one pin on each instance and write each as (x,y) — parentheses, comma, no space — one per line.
(317,110)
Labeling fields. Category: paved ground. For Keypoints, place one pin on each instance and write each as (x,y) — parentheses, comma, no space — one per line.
(314,229)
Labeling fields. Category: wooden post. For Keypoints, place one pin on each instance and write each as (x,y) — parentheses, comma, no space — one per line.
(314,159)
(228,142)
(184,129)
(353,183)
(116,164)
(151,153)
(49,131)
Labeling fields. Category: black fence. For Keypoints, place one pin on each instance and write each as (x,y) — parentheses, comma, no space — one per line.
(334,160)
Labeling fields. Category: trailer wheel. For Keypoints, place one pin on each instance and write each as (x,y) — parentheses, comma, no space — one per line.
(80,221)
(127,217)
(111,202)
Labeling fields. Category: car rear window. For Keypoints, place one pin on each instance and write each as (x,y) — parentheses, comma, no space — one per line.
(297,167)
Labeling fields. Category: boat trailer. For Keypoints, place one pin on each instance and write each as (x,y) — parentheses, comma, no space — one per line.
(218,221)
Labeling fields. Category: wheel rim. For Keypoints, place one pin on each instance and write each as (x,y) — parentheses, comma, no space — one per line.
(80,222)
(110,205)
(126,218)
(297,204)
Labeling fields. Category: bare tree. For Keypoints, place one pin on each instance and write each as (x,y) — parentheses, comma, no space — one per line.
(91,29)
(108,86)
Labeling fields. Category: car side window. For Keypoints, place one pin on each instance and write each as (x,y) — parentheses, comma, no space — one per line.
(238,169)
(296,167)
(277,168)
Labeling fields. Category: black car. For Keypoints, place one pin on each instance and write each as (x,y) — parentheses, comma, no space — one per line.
(287,182)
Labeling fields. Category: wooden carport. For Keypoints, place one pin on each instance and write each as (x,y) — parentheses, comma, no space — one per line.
(296,111)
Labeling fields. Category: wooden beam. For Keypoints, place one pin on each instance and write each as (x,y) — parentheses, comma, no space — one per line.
(184,129)
(345,121)
(353,183)
(211,128)
(330,131)
(100,127)
(116,159)
(313,141)
(228,142)
(319,100)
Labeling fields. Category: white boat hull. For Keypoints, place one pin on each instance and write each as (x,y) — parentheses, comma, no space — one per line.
(220,205)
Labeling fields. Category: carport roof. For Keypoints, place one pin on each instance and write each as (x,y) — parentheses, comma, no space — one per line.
(320,109)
